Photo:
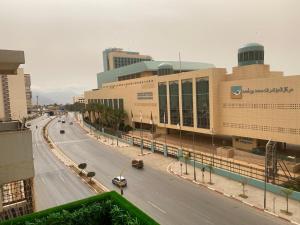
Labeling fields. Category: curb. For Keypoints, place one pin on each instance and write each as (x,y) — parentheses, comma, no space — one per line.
(170,170)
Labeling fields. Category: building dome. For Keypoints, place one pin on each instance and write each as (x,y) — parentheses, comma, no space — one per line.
(251,53)
(165,69)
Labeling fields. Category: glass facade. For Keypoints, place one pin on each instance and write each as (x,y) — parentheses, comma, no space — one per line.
(202,98)
(115,102)
(110,103)
(187,102)
(162,99)
(174,102)
(121,103)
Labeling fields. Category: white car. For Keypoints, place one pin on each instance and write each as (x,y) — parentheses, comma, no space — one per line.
(119,181)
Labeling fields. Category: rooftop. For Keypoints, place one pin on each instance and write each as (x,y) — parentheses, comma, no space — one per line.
(112,75)
(10,60)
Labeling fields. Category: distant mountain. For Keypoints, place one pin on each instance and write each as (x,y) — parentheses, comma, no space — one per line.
(59,96)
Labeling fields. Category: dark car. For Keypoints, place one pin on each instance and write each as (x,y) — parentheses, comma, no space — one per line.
(62,131)
(137,163)
(63,121)
(71,123)
(119,181)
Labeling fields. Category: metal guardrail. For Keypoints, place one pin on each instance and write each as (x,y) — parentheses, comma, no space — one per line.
(231,165)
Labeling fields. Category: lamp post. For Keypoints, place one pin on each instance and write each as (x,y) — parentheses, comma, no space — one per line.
(194,156)
(141,132)
(213,146)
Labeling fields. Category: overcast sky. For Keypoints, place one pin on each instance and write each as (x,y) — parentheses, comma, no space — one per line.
(63,39)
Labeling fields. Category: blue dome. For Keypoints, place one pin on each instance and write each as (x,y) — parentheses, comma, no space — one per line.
(251,53)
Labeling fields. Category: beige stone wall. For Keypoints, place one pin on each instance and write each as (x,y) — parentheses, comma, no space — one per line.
(17,95)
(260,115)
(128,90)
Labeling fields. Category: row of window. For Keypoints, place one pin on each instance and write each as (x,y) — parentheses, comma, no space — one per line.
(127,84)
(261,106)
(112,103)
(262,128)
(251,55)
(124,61)
(144,96)
(202,102)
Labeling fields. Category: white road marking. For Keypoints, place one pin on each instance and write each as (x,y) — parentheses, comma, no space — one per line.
(61,177)
(71,141)
(155,206)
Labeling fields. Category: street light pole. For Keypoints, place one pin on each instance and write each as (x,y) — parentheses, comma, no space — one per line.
(194,156)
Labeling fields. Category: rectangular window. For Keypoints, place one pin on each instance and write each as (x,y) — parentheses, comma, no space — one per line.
(162,99)
(110,103)
(187,102)
(174,102)
(106,102)
(202,98)
(121,104)
(116,104)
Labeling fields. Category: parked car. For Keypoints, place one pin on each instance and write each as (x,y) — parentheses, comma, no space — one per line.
(58,120)
(119,181)
(28,124)
(63,121)
(137,163)
(71,123)
(62,131)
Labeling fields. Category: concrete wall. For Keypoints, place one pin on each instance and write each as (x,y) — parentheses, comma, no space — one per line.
(16,161)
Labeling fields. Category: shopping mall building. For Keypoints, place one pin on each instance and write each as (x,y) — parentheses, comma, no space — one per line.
(252,104)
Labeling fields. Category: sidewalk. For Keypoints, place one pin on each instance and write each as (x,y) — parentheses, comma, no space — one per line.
(232,189)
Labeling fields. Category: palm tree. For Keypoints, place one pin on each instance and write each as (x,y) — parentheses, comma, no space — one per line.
(287,192)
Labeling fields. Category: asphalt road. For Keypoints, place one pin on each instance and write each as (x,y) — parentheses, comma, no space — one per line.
(54,183)
(166,198)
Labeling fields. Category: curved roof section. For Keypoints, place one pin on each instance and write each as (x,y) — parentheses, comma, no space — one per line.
(251,47)
(112,75)
(165,66)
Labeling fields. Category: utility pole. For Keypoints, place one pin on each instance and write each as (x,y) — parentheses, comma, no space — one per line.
(266,174)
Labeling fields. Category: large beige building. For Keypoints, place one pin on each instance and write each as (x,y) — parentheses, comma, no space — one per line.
(79,99)
(16,156)
(252,104)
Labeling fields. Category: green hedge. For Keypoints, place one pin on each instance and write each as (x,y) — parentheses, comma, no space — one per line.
(107,208)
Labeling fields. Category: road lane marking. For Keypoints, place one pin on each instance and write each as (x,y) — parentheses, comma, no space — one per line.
(61,177)
(155,206)
(71,141)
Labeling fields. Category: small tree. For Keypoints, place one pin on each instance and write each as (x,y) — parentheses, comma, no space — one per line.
(91,175)
(244,182)
(287,192)
(82,166)
(210,168)
(186,158)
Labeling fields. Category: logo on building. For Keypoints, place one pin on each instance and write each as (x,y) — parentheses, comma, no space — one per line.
(236,92)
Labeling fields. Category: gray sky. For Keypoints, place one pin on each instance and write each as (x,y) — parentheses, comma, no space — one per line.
(63,39)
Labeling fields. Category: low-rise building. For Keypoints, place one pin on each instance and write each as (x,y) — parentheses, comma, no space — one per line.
(78,98)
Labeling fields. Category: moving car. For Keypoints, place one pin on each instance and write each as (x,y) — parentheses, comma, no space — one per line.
(63,121)
(119,181)
(137,163)
(62,131)
(28,124)
(71,123)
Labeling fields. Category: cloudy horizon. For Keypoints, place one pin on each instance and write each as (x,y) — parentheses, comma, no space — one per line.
(63,40)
